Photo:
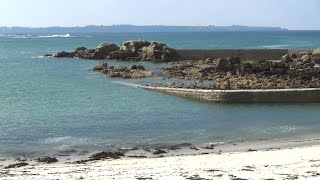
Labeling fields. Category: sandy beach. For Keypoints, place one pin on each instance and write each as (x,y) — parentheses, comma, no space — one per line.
(294,160)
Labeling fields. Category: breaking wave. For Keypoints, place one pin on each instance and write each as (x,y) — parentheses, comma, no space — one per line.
(57,36)
(277,46)
(65,140)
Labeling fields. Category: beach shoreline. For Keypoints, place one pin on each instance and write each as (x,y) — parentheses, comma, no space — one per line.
(243,159)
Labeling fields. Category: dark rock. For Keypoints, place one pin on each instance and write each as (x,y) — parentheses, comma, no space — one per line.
(293,56)
(48,55)
(81,49)
(64,54)
(140,67)
(115,74)
(85,54)
(17,165)
(159,151)
(106,155)
(104,50)
(221,63)
(133,67)
(234,60)
(122,55)
(48,159)
(316,60)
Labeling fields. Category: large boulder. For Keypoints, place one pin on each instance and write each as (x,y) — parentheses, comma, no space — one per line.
(158,52)
(134,46)
(234,60)
(84,53)
(103,50)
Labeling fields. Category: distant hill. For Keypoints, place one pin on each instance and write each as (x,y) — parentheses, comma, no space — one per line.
(131,28)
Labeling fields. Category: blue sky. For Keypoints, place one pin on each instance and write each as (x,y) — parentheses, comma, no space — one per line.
(292,14)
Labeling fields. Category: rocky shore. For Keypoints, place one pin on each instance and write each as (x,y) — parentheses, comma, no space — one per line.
(292,71)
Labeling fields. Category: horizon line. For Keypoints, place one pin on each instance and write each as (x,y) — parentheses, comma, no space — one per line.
(155,25)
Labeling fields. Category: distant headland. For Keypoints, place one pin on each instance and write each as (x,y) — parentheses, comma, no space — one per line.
(133,28)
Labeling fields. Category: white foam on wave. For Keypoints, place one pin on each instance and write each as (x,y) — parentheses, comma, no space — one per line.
(56,36)
(275,130)
(276,46)
(65,140)
(20,36)
(127,84)
(37,57)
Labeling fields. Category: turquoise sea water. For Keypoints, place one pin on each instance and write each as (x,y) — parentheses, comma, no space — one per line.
(50,105)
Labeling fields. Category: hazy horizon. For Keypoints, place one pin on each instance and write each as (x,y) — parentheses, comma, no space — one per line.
(289,14)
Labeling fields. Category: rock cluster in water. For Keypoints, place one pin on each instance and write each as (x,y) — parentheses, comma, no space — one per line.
(135,71)
(295,70)
(130,50)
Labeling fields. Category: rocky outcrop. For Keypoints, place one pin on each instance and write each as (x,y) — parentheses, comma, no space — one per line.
(158,52)
(144,50)
(135,71)
(101,52)
(130,50)
(289,72)
(104,50)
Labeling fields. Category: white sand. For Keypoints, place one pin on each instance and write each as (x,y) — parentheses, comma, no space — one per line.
(301,162)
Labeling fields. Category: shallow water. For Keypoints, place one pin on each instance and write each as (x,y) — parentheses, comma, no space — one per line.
(49,105)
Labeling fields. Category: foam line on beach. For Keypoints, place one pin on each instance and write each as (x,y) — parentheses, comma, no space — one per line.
(127,84)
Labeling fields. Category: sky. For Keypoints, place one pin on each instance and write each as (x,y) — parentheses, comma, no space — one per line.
(291,14)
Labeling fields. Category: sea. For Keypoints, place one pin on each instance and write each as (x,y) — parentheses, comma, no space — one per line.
(50,105)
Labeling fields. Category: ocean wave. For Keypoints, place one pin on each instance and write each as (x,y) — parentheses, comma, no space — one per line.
(56,36)
(19,36)
(277,46)
(37,57)
(65,140)
(275,130)
(126,84)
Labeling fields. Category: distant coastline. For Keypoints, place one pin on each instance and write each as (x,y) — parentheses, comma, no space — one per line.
(132,28)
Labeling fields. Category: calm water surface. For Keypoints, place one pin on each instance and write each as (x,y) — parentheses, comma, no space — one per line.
(49,105)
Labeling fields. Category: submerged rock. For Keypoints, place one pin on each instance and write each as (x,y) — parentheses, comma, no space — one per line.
(48,159)
(17,165)
(106,155)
